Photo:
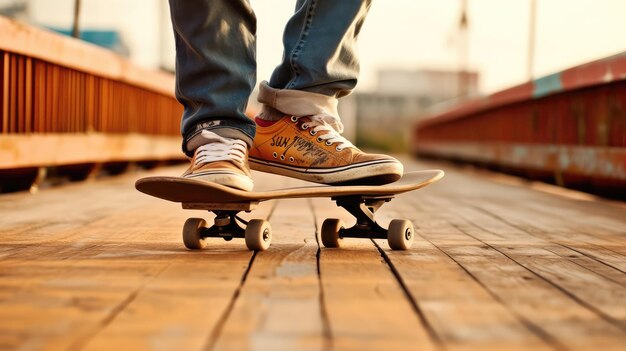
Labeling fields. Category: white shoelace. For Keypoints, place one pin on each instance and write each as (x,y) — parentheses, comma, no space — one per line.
(332,126)
(220,149)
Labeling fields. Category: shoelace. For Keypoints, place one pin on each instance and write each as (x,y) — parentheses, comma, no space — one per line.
(329,124)
(223,150)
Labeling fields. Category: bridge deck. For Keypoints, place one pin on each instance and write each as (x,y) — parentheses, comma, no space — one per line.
(497,263)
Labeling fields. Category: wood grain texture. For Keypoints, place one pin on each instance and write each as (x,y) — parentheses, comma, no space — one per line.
(17,151)
(366,306)
(558,321)
(279,304)
(497,263)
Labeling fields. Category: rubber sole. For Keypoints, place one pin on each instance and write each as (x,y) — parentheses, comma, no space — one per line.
(366,173)
(226,178)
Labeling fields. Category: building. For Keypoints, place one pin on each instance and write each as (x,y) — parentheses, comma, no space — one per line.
(383,118)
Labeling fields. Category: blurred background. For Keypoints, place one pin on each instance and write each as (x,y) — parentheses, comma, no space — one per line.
(420,59)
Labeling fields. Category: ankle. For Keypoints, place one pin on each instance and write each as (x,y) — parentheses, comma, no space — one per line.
(270,114)
(263,123)
(209,136)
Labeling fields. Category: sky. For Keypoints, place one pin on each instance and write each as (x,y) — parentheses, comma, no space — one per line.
(416,34)
(409,34)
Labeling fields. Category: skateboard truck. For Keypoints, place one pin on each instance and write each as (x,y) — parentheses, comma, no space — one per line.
(399,234)
(363,209)
(256,232)
(225,226)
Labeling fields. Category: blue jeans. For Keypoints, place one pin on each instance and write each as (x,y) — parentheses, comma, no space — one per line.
(216,62)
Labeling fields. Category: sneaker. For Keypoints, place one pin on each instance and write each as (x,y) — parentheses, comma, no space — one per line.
(309,148)
(222,161)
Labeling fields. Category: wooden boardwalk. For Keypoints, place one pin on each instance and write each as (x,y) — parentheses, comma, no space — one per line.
(497,263)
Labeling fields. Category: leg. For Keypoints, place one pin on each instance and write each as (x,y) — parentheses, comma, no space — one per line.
(298,132)
(319,57)
(320,47)
(215,74)
(215,66)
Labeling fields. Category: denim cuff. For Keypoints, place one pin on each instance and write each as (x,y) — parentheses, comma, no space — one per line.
(222,127)
(297,102)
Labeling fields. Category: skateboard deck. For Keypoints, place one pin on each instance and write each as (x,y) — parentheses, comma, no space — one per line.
(361,201)
(184,190)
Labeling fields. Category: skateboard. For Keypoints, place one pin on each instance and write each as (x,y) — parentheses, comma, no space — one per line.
(362,201)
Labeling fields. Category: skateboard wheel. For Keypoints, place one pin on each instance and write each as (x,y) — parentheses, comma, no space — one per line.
(400,234)
(192,237)
(330,232)
(258,235)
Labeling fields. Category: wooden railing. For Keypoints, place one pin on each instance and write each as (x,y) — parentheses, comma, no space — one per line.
(43,97)
(66,102)
(568,128)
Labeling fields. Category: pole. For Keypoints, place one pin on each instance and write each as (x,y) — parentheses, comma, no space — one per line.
(75,30)
(463,81)
(531,40)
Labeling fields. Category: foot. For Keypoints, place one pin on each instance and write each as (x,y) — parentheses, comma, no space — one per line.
(222,161)
(308,148)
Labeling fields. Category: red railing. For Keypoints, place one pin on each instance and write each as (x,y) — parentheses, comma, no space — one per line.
(569,127)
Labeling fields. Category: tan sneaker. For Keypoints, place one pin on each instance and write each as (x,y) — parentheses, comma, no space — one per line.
(309,148)
(223,161)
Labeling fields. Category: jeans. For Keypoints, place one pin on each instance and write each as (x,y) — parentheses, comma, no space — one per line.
(216,62)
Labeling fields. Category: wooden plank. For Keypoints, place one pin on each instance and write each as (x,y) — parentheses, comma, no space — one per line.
(39,97)
(48,313)
(563,272)
(28,100)
(462,313)
(64,148)
(178,308)
(366,307)
(608,257)
(51,282)
(588,288)
(590,221)
(193,295)
(71,100)
(587,215)
(121,279)
(20,96)
(61,100)
(603,296)
(597,266)
(55,86)
(56,215)
(5,91)
(541,307)
(49,100)
(279,306)
(12,120)
(87,296)
(108,271)
(90,98)
(535,219)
